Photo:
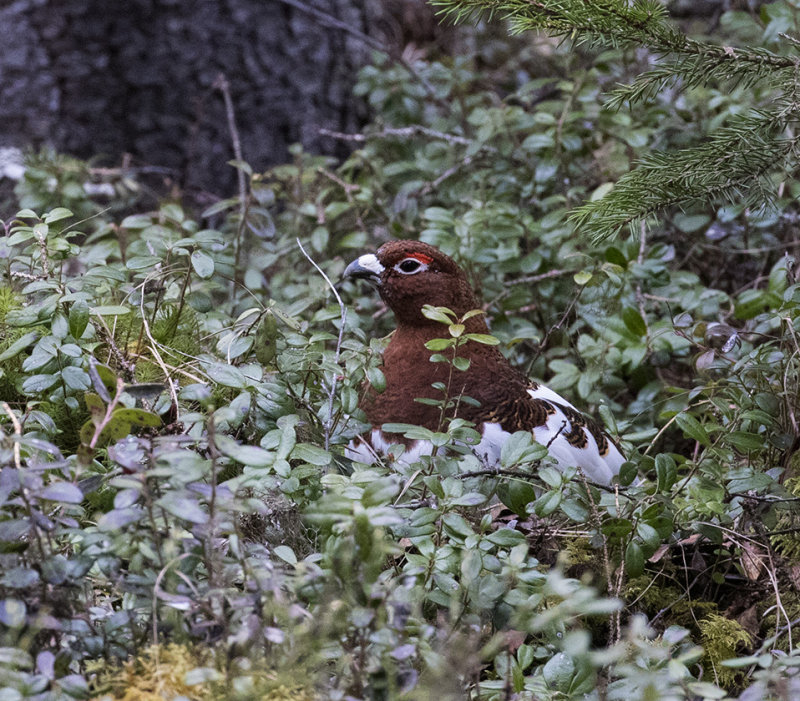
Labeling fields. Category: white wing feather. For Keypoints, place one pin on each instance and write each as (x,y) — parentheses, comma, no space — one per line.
(597,467)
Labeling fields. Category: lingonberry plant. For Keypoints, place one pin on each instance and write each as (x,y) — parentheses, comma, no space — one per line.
(177,514)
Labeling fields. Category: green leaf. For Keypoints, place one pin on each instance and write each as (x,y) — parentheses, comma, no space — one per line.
(75,378)
(547,503)
(285,553)
(183,506)
(376,379)
(246,454)
(64,492)
(439,344)
(457,525)
(744,441)
(582,277)
(203,264)
(36,384)
(666,472)
(78,318)
(648,534)
(692,428)
(311,454)
(634,322)
(57,214)
(440,314)
(484,338)
(558,672)
(138,417)
(469,499)
(13,614)
(461,364)
(617,527)
(506,537)
(634,559)
(111,310)
(142,262)
(137,221)
(19,345)
(227,375)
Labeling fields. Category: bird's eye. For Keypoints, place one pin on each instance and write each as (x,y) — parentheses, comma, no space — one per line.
(409,266)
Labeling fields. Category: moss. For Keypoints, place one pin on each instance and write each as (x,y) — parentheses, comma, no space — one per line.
(721,638)
(788,544)
(10,369)
(790,609)
(178,337)
(160,672)
(653,598)
(157,673)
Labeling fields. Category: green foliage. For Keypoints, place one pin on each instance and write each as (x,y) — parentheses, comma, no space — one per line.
(177,389)
(721,637)
(740,163)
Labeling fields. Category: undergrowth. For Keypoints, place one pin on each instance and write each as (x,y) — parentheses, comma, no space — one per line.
(177,516)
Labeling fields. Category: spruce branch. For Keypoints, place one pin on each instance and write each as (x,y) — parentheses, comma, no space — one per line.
(737,163)
(639,23)
(733,165)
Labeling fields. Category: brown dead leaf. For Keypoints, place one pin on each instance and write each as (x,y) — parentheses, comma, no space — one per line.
(753,560)
(748,619)
(514,638)
(661,550)
(794,576)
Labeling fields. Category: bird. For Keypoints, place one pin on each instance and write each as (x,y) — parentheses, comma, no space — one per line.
(410,274)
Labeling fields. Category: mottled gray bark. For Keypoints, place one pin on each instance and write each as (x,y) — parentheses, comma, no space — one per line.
(97,78)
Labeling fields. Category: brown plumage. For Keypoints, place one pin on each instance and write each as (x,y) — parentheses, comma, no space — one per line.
(411,274)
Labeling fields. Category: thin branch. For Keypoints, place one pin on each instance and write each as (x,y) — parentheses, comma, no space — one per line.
(404,133)
(222,84)
(328,423)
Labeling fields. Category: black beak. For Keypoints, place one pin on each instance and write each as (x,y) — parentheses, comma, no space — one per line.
(365,267)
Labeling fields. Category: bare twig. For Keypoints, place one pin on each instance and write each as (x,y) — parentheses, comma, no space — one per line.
(222,84)
(154,349)
(98,429)
(639,295)
(17,431)
(532,279)
(157,590)
(349,189)
(404,133)
(328,423)
(429,187)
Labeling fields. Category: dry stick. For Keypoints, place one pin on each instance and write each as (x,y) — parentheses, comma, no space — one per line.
(17,430)
(639,295)
(405,133)
(98,429)
(222,84)
(156,590)
(328,423)
(525,280)
(154,348)
(349,189)
(18,464)
(613,590)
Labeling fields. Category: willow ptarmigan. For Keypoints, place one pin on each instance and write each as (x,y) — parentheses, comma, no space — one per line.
(411,274)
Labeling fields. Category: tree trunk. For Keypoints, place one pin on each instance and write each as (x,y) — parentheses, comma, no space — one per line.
(99,79)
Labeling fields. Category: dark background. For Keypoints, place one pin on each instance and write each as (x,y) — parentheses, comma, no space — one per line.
(100,79)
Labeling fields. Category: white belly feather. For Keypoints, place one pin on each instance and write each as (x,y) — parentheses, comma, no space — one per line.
(597,467)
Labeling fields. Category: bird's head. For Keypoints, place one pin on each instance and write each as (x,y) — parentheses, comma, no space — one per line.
(411,274)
